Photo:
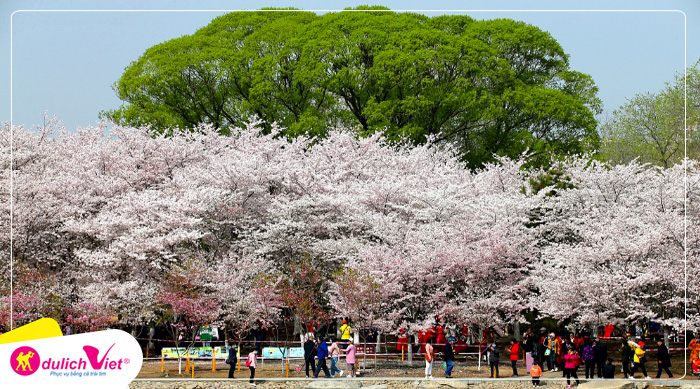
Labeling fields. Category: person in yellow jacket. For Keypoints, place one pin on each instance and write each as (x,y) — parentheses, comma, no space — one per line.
(345,333)
(553,349)
(639,360)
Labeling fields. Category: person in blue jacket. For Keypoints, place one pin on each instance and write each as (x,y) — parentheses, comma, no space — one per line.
(322,355)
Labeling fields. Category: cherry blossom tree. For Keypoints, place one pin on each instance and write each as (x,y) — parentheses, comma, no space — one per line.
(254,227)
(612,245)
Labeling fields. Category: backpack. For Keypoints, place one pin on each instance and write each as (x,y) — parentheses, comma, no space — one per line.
(248,362)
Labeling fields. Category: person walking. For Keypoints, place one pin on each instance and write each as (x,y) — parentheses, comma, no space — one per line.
(310,354)
(449,357)
(232,360)
(664,359)
(570,362)
(322,355)
(252,363)
(589,360)
(429,358)
(627,355)
(334,352)
(350,358)
(640,360)
(493,358)
(600,355)
(553,349)
(514,351)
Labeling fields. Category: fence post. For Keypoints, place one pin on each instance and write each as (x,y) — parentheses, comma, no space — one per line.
(162,363)
(187,365)
(213,364)
(192,367)
(410,353)
(479,355)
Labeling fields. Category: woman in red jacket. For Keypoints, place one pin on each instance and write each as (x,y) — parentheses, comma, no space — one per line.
(514,351)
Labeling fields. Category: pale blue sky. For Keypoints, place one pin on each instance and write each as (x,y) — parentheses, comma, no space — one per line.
(66,62)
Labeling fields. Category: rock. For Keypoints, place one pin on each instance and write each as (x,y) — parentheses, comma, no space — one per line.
(664,386)
(608,384)
(375,387)
(449,383)
(322,384)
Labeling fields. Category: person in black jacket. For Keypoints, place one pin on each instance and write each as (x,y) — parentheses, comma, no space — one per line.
(541,341)
(609,369)
(600,354)
(493,358)
(664,359)
(310,354)
(232,360)
(627,355)
(449,357)
(259,335)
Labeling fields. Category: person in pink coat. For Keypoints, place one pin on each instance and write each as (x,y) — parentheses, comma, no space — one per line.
(571,362)
(350,358)
(252,363)
(429,359)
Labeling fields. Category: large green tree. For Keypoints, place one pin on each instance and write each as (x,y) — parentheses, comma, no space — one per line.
(487,87)
(651,126)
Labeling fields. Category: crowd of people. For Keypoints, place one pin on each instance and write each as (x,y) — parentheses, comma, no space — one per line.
(326,343)
(568,351)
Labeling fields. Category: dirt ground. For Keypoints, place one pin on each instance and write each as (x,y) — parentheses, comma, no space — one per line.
(464,368)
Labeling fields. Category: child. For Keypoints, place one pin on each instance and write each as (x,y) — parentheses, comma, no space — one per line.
(609,369)
(350,358)
(536,373)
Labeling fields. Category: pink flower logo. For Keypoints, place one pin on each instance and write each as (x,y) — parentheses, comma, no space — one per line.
(25,361)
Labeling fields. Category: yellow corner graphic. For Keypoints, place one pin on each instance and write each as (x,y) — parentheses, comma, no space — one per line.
(39,329)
